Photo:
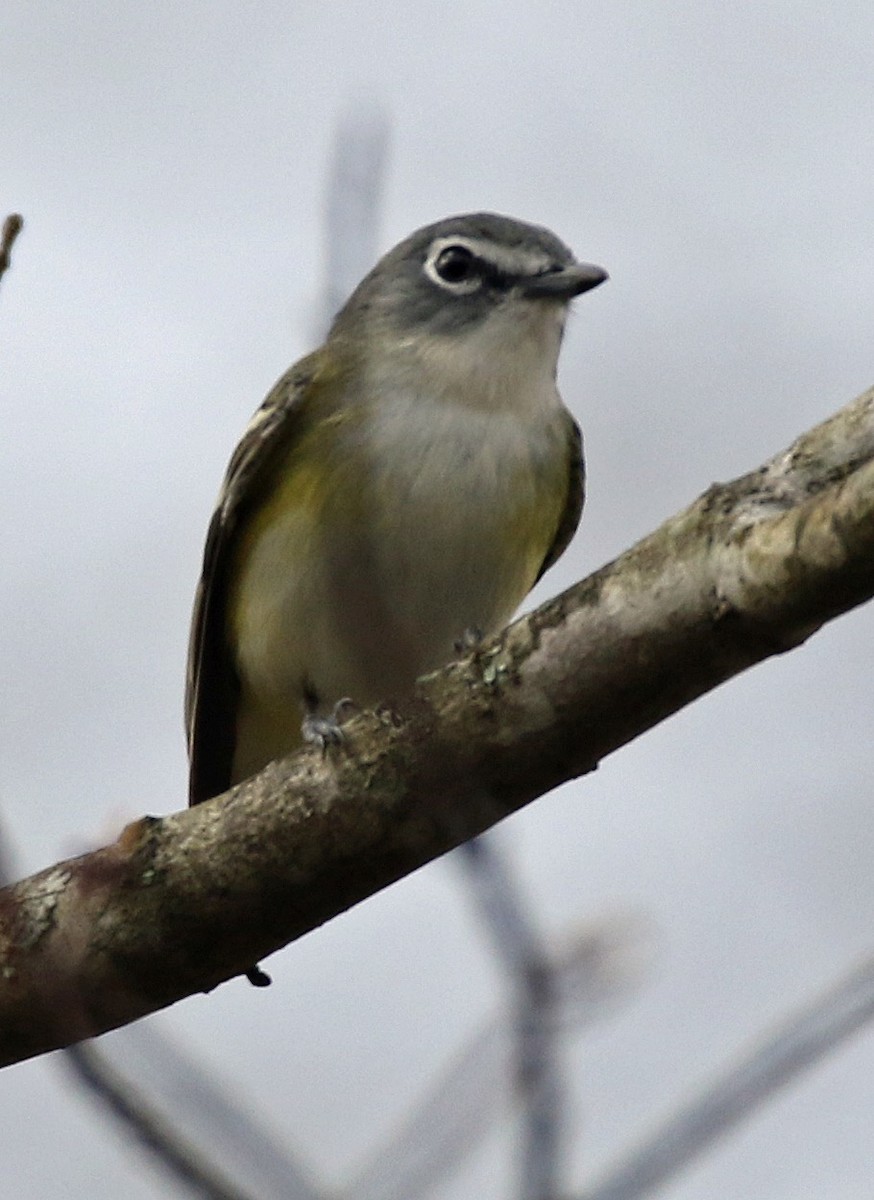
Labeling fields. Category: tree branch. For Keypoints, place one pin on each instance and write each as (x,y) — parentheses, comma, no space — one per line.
(180,904)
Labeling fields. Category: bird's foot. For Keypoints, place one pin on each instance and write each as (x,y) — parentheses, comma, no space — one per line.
(322,731)
(470,640)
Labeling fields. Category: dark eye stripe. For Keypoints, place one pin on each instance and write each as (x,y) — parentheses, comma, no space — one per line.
(461,268)
(495,277)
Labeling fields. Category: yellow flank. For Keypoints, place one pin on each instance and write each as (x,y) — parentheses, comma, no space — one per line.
(276,549)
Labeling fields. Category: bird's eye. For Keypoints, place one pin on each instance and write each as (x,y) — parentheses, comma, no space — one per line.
(456,264)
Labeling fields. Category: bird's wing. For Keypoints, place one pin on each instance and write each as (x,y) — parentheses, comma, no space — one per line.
(212,686)
(576,495)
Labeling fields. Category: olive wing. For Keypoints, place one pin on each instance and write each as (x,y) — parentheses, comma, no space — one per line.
(576,495)
(212,686)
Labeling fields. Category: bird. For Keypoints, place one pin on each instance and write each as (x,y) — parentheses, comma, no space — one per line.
(406,483)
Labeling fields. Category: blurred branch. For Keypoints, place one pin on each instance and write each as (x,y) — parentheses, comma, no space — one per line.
(165,1099)
(801,1041)
(593,972)
(177,905)
(523,956)
(12,226)
(352,203)
(147,1127)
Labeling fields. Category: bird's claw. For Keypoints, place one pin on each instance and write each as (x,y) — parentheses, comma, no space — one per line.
(471,639)
(325,731)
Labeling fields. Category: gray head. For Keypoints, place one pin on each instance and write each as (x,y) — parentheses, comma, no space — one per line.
(451,277)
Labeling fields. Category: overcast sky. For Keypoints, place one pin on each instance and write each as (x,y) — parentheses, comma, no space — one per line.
(170,161)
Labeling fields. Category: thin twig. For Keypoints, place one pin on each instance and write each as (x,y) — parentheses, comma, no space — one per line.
(594,969)
(802,1040)
(12,226)
(145,1126)
(165,1097)
(352,203)
(523,954)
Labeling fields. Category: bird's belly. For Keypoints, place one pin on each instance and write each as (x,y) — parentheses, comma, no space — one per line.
(362,589)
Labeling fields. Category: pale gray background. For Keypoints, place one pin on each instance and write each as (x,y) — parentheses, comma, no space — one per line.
(170,160)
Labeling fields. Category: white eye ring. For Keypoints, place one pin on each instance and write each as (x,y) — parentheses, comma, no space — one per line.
(453,266)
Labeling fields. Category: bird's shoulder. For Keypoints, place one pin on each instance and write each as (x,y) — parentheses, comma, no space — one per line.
(272,428)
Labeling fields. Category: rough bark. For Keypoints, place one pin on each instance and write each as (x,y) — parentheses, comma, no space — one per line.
(179,904)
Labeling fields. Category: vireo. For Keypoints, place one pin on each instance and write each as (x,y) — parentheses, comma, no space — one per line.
(408,481)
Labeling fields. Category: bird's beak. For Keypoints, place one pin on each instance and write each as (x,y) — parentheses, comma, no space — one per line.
(564,283)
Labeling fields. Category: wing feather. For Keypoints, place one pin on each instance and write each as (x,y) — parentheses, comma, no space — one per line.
(212,686)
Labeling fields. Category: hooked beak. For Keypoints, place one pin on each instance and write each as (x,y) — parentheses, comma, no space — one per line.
(565,282)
